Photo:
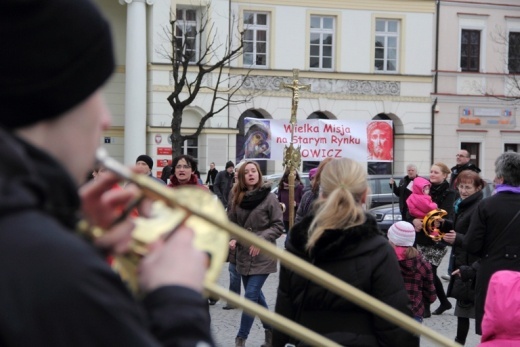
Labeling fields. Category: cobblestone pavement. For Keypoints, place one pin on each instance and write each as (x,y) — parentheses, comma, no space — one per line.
(225,323)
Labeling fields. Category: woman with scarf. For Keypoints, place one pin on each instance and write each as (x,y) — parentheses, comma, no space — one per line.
(256,209)
(433,251)
(184,168)
(493,231)
(342,239)
(470,185)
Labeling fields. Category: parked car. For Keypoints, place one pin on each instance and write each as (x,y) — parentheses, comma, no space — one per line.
(380,191)
(386,215)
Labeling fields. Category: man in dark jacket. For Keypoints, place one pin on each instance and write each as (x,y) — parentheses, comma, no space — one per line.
(212,174)
(144,165)
(463,163)
(224,183)
(57,288)
(404,189)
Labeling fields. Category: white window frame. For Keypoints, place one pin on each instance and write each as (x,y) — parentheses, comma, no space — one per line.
(255,28)
(183,24)
(386,36)
(474,22)
(321,31)
(191,147)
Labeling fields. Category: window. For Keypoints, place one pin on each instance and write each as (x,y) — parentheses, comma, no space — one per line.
(511,147)
(470,50)
(191,147)
(186,35)
(474,149)
(386,45)
(514,52)
(321,43)
(255,38)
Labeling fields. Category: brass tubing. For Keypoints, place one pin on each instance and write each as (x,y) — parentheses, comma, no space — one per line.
(279,322)
(337,286)
(157,190)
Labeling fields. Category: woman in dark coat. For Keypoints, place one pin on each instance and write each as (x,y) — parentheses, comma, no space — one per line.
(470,185)
(489,236)
(311,195)
(433,251)
(344,241)
(256,209)
(283,196)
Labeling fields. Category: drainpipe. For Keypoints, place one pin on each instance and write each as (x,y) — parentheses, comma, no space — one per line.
(435,79)
(434,105)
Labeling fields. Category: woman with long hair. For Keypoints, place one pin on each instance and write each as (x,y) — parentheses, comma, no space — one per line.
(255,208)
(343,240)
(434,251)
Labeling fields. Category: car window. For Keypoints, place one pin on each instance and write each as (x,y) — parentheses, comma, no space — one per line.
(373,188)
(384,186)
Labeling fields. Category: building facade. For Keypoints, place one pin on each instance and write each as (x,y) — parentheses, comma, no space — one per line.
(474,81)
(363,60)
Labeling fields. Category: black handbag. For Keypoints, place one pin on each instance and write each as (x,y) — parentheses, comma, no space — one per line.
(461,290)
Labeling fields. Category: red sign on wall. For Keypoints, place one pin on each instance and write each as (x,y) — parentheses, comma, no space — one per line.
(164,151)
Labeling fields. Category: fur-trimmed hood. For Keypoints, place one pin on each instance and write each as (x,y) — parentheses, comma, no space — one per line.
(334,244)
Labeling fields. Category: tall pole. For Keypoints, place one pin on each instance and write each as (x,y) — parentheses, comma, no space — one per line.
(292,156)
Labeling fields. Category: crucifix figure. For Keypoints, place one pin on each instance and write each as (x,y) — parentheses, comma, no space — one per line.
(292,156)
(296,87)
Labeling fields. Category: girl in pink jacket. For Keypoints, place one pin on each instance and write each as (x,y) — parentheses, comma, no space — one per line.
(420,202)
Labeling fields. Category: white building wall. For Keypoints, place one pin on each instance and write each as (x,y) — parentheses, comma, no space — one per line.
(410,108)
(466,90)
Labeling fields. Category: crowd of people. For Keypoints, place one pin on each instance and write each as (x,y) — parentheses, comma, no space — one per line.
(58,288)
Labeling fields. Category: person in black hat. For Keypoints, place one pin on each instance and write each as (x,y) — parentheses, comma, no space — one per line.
(57,288)
(224,183)
(144,165)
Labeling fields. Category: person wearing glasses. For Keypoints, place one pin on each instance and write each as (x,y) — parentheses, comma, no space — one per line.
(463,163)
(184,167)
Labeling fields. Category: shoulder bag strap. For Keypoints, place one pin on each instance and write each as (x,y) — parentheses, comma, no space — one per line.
(502,233)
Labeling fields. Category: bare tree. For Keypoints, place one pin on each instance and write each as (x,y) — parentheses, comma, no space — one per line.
(509,48)
(200,62)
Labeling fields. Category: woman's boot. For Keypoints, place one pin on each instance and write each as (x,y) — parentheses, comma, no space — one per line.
(268,338)
(460,341)
(240,342)
(427,313)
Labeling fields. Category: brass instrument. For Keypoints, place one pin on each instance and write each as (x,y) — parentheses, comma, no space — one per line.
(282,206)
(431,224)
(198,209)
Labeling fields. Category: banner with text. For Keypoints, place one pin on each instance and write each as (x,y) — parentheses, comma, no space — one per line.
(363,141)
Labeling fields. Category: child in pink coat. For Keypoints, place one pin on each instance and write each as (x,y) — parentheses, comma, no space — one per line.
(501,322)
(420,202)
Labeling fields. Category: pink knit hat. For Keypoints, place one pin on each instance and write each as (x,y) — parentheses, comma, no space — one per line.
(312,173)
(402,234)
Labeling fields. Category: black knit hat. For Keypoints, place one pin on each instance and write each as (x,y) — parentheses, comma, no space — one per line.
(229,164)
(147,159)
(55,54)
